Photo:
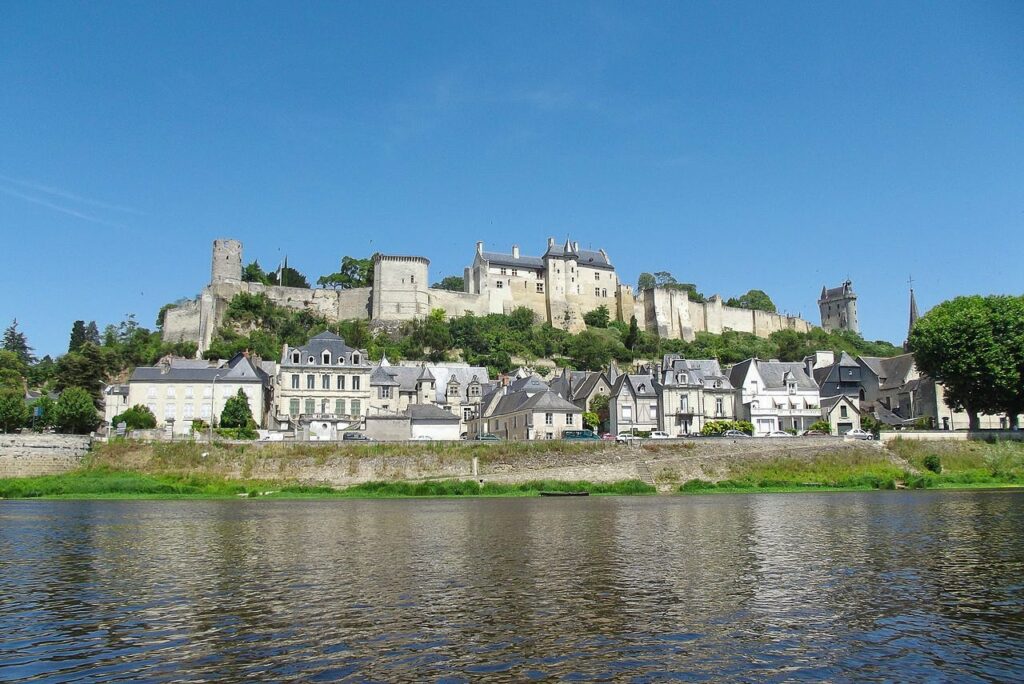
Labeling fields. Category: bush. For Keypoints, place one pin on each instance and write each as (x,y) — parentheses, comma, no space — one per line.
(237,414)
(75,413)
(933,463)
(718,427)
(822,426)
(237,433)
(138,417)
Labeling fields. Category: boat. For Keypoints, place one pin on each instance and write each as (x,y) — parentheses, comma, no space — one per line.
(565,493)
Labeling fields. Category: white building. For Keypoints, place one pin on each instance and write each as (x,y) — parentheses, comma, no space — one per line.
(776,395)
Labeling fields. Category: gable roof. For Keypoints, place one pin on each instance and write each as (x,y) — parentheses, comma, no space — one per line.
(430,412)
(239,369)
(773,374)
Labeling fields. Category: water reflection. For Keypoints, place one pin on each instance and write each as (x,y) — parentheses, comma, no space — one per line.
(913,586)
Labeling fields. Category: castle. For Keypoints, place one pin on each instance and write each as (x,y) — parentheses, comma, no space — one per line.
(559,287)
(838,306)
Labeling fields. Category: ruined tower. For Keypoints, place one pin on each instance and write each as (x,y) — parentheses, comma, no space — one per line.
(838,307)
(226,262)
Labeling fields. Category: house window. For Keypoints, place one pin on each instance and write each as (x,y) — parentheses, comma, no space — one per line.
(412,279)
(310,360)
(540,288)
(170,411)
(293,407)
(453,390)
(791,386)
(341,382)
(597,276)
(467,413)
(171,392)
(355,357)
(503,270)
(597,292)
(189,411)
(326,358)
(569,418)
(652,411)
(295,382)
(310,407)
(310,382)
(357,407)
(204,411)
(339,407)
(549,418)
(719,406)
(627,413)
(385,392)
(296,358)
(842,412)
(515,271)
(500,284)
(474,390)
(188,392)
(604,292)
(355,382)
(323,405)
(684,403)
(549,435)
(151,393)
(325,382)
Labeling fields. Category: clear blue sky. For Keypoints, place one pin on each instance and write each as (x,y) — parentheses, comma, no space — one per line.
(780,146)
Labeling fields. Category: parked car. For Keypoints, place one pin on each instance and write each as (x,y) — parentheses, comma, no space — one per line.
(658,434)
(354,437)
(579,435)
(734,433)
(778,433)
(487,437)
(814,433)
(625,437)
(859,434)
(608,436)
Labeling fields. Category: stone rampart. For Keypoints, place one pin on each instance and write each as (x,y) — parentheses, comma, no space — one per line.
(33,454)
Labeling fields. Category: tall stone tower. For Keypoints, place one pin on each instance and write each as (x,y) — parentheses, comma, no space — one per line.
(400,287)
(838,307)
(227,261)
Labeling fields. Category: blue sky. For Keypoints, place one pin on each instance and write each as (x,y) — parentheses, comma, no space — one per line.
(780,146)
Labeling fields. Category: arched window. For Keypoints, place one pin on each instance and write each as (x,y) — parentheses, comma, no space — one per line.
(326,358)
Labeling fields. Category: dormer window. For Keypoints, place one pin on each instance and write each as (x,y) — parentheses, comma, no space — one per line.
(474,390)
(355,357)
(718,384)
(311,359)
(296,357)
(326,358)
(791,386)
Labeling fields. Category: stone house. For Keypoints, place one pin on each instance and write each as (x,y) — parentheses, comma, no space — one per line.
(692,393)
(323,387)
(776,395)
(580,387)
(430,420)
(179,391)
(634,404)
(457,388)
(526,409)
(843,376)
(842,413)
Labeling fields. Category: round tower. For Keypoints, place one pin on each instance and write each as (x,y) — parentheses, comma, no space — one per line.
(227,261)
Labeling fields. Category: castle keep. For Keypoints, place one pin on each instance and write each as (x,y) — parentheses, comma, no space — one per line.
(559,286)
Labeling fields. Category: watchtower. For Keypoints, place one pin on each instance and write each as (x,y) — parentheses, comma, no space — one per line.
(400,287)
(226,261)
(838,306)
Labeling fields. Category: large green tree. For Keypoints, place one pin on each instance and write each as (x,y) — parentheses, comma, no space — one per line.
(75,412)
(753,299)
(974,346)
(15,341)
(236,413)
(13,411)
(452,283)
(77,336)
(85,369)
(598,318)
(352,273)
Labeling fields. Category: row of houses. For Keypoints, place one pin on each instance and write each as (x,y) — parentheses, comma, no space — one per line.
(325,388)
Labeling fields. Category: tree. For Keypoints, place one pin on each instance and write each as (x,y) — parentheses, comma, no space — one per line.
(754,299)
(974,346)
(75,412)
(236,413)
(353,273)
(13,411)
(598,318)
(138,417)
(254,273)
(15,341)
(599,405)
(645,282)
(453,283)
(826,427)
(633,335)
(289,277)
(591,420)
(590,351)
(46,408)
(92,333)
(77,336)
(85,369)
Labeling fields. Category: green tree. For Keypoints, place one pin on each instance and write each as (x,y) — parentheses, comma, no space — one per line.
(645,282)
(974,346)
(15,341)
(92,333)
(46,408)
(355,332)
(452,283)
(75,412)
(590,351)
(236,413)
(13,411)
(287,276)
(138,417)
(353,273)
(599,405)
(77,336)
(591,420)
(826,427)
(598,318)
(254,273)
(754,299)
(632,335)
(85,369)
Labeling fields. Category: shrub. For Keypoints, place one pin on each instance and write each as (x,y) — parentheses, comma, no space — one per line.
(138,417)
(933,463)
(75,413)
(236,413)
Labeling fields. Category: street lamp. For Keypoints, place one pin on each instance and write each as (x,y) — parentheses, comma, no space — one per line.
(213,403)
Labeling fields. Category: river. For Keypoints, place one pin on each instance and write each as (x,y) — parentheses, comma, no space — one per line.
(908,586)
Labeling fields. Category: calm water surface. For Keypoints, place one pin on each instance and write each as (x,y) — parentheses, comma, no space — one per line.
(873,586)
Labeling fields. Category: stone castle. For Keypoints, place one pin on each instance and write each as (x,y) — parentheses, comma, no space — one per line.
(559,287)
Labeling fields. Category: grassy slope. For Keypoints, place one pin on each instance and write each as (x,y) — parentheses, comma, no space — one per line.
(964,464)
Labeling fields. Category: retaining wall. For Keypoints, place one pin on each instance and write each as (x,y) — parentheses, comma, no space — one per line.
(34,454)
(949,436)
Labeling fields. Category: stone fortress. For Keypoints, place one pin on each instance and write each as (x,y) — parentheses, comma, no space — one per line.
(559,287)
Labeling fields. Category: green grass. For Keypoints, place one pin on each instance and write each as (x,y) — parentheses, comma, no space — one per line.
(108,483)
(964,465)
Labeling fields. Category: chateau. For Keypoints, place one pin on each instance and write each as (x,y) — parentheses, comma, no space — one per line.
(559,286)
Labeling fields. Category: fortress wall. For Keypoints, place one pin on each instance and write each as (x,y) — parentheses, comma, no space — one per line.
(738,319)
(182,323)
(354,303)
(457,304)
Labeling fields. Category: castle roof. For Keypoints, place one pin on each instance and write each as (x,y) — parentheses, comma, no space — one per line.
(584,257)
(326,341)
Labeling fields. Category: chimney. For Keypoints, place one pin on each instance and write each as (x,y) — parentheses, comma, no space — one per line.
(576,246)
(479,247)
(551,242)
(515,251)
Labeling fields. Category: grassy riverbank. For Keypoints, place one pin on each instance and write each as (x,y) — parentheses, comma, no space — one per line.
(917,465)
(105,483)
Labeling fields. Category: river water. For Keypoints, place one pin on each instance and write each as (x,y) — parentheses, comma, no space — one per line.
(906,586)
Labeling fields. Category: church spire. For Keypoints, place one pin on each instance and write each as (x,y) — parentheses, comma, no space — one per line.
(913,315)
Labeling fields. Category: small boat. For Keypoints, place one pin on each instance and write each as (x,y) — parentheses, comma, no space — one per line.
(565,493)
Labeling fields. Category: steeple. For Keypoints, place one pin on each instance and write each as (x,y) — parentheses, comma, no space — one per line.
(913,318)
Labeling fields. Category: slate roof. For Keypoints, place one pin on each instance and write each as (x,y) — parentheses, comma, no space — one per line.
(641,385)
(502,259)
(239,369)
(430,412)
(828,402)
(317,345)
(584,257)
(895,370)
(529,384)
(773,374)
(541,401)
(406,377)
